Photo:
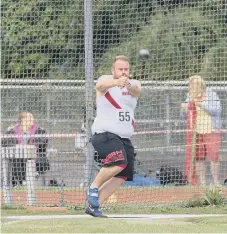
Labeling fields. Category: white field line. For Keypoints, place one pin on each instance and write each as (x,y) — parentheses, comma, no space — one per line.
(122,216)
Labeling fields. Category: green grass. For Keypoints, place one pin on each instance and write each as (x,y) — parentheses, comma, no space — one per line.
(162,209)
(92,225)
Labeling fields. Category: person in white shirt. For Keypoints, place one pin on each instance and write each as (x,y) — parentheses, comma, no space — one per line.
(116,100)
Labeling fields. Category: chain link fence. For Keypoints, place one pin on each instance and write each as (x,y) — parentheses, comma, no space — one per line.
(53,51)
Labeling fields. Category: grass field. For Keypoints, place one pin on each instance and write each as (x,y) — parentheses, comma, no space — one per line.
(90,225)
(76,223)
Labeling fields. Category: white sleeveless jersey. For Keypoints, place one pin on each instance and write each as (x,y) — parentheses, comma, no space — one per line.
(115,112)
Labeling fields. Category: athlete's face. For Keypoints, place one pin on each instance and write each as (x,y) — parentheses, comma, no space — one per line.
(120,68)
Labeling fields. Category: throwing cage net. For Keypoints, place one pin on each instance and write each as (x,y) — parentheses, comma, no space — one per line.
(52,54)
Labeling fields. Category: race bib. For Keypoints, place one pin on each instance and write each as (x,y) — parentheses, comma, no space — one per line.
(124,116)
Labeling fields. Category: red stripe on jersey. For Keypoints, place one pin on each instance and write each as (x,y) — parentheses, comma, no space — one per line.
(133,123)
(112,101)
(115,104)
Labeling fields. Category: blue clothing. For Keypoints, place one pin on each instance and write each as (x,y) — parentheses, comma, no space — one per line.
(139,180)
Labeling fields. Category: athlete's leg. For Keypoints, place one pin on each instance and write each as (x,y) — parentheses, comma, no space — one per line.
(112,153)
(109,187)
(105,174)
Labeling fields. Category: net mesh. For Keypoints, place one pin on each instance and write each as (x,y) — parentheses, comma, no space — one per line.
(51,53)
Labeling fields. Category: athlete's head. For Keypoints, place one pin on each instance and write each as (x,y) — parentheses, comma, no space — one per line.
(196,86)
(120,67)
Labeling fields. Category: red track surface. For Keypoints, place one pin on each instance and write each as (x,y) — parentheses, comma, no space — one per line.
(129,196)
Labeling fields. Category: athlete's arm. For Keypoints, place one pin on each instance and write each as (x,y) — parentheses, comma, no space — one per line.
(106,82)
(134,87)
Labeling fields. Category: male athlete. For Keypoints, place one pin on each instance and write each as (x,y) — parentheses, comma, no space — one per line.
(116,100)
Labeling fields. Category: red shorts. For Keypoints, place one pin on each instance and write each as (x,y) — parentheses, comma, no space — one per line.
(208,145)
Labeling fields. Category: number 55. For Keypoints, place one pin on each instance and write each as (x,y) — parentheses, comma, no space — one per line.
(124,116)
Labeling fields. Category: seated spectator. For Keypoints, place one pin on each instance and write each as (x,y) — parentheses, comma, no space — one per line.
(27,132)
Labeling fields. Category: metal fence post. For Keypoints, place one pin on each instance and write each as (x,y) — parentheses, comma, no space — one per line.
(30,180)
(6,187)
(89,84)
(167,118)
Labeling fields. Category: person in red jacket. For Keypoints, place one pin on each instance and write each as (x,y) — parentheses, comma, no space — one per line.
(27,132)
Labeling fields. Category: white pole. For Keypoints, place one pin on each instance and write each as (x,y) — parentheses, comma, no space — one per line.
(30,180)
(89,84)
(6,187)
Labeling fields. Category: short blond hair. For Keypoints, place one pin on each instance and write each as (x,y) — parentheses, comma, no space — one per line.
(196,86)
(121,58)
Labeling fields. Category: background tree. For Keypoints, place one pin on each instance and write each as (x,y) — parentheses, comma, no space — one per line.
(45,39)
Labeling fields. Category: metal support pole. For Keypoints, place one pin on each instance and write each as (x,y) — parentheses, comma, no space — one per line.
(48,106)
(168,134)
(89,84)
(30,180)
(19,151)
(7,191)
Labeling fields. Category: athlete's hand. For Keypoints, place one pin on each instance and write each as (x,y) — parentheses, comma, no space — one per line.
(128,84)
(121,82)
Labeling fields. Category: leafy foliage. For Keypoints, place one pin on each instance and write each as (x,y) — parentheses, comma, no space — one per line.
(212,197)
(45,39)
